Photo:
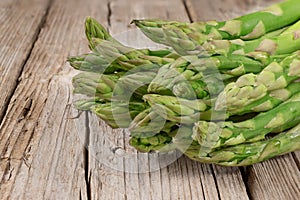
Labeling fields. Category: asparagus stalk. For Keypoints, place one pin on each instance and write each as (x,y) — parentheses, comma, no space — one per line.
(149,123)
(282,44)
(117,86)
(177,138)
(117,114)
(251,87)
(220,134)
(109,55)
(187,84)
(268,102)
(183,111)
(109,58)
(250,26)
(159,142)
(93,29)
(248,154)
(238,155)
(191,77)
(95,85)
(164,106)
(156,30)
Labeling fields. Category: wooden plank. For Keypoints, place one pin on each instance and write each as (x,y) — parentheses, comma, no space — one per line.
(270,180)
(41,152)
(230,183)
(223,9)
(20,22)
(277,178)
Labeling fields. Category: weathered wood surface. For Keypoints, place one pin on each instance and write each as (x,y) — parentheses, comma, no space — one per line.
(20,23)
(46,153)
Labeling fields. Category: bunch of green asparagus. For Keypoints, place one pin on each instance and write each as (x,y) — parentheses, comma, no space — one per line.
(226,93)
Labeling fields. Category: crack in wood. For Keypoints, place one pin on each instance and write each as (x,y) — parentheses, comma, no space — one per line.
(109,13)
(215,180)
(187,10)
(25,110)
(244,172)
(35,38)
(87,173)
(297,161)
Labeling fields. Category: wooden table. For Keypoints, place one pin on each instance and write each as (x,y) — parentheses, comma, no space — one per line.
(42,145)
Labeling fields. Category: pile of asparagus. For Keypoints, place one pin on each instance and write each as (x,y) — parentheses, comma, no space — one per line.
(224,92)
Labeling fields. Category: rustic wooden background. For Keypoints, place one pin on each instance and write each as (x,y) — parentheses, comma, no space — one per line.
(42,147)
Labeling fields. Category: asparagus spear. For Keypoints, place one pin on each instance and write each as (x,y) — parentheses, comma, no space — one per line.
(219,134)
(95,85)
(149,123)
(268,102)
(282,44)
(238,155)
(183,111)
(164,106)
(164,141)
(109,58)
(97,34)
(248,154)
(109,55)
(246,27)
(93,29)
(251,87)
(159,142)
(117,86)
(187,84)
(190,76)
(117,114)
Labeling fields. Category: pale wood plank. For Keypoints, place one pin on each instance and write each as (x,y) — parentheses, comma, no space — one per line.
(20,21)
(224,9)
(277,178)
(41,150)
(230,183)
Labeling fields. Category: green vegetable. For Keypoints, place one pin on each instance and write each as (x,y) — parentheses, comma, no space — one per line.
(117,114)
(218,106)
(252,87)
(187,38)
(251,153)
(214,135)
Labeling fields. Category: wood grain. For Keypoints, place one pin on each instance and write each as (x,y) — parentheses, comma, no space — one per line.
(221,10)
(20,23)
(42,156)
(275,179)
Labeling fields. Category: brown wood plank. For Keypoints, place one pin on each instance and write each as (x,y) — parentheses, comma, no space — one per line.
(20,22)
(224,9)
(276,179)
(230,183)
(41,152)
